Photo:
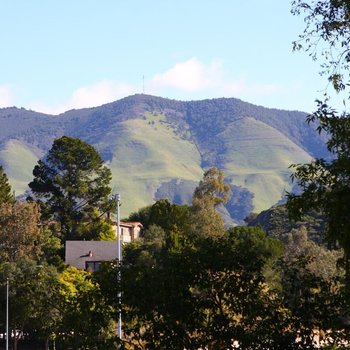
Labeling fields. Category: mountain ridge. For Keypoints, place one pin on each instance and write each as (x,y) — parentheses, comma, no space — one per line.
(150,141)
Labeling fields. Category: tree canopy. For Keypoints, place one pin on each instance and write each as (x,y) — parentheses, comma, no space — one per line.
(71,182)
(327,35)
(6,194)
(20,232)
(210,193)
(325,183)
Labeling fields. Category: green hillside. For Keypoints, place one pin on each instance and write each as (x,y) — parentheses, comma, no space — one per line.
(160,147)
(258,159)
(19,160)
(148,153)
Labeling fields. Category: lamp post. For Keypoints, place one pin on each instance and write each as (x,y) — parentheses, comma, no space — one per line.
(7,313)
(119,259)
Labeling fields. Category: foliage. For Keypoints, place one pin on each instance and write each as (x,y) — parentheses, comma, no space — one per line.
(6,194)
(20,232)
(311,292)
(277,223)
(97,228)
(25,243)
(322,262)
(71,182)
(209,194)
(163,214)
(32,299)
(155,235)
(325,185)
(86,321)
(142,215)
(327,35)
(169,216)
(212,188)
(195,295)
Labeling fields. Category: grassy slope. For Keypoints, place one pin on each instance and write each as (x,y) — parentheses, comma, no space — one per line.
(148,152)
(145,153)
(258,158)
(19,160)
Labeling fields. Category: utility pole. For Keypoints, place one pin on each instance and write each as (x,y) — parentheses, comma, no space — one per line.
(119,259)
(7,313)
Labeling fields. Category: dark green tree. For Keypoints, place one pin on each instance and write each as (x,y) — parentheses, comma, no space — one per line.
(25,244)
(203,294)
(6,194)
(325,184)
(34,313)
(71,182)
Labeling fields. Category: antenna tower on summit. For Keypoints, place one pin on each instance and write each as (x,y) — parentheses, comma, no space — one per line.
(143,84)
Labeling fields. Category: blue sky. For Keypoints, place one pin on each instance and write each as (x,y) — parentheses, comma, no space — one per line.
(59,55)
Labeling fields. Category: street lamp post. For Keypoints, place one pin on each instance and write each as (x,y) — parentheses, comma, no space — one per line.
(7,313)
(119,259)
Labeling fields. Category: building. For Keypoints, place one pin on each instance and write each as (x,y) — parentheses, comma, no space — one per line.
(87,255)
(129,231)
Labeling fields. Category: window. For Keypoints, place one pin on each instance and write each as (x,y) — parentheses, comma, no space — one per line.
(92,266)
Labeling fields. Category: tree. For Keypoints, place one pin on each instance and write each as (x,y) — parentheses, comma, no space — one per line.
(206,293)
(86,320)
(6,194)
(325,184)
(327,34)
(20,232)
(209,194)
(25,244)
(34,313)
(212,188)
(70,183)
(311,292)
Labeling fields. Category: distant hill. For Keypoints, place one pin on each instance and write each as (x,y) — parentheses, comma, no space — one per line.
(158,147)
(277,224)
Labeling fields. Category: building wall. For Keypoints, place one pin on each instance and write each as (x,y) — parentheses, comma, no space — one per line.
(79,252)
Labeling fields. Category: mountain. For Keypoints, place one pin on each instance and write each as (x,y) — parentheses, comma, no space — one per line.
(277,224)
(158,147)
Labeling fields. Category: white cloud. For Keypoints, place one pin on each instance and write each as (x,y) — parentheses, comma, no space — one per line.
(191,79)
(89,96)
(100,93)
(190,76)
(195,79)
(5,96)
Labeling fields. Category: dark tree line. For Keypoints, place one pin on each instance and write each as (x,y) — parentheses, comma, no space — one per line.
(188,283)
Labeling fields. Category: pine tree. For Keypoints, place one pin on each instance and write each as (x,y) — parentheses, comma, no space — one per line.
(6,195)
